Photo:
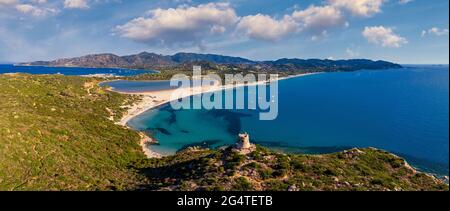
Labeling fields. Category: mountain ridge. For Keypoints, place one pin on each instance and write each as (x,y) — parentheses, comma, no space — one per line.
(146,60)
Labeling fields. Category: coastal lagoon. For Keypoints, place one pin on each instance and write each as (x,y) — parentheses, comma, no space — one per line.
(140,86)
(71,71)
(404,111)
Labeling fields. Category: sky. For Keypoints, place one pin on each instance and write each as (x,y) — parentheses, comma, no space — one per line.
(402,31)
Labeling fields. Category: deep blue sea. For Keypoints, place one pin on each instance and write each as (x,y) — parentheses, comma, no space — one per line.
(8,68)
(404,111)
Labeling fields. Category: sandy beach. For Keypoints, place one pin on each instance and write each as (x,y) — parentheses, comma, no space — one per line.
(154,99)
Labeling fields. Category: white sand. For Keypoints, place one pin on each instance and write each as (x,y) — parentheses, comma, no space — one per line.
(146,148)
(154,99)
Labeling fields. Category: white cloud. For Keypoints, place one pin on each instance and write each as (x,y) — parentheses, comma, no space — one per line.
(359,7)
(404,1)
(316,20)
(27,8)
(319,19)
(34,10)
(383,36)
(7,2)
(266,28)
(16,2)
(76,4)
(313,19)
(435,31)
(180,25)
(193,24)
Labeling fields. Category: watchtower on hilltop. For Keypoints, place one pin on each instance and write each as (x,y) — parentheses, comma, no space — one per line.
(243,144)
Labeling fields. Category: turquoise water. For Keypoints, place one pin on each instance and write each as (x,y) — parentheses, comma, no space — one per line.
(7,68)
(404,111)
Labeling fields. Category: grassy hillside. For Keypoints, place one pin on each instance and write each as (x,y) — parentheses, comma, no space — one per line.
(56,134)
(265,170)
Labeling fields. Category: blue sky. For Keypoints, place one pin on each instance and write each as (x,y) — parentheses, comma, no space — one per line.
(403,31)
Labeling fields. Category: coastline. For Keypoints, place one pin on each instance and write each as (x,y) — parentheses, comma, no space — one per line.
(154,99)
(94,75)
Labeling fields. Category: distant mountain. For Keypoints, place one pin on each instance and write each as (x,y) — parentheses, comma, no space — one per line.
(102,60)
(193,57)
(147,60)
(338,65)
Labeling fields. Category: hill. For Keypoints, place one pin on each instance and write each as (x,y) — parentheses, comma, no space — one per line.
(184,61)
(265,170)
(55,135)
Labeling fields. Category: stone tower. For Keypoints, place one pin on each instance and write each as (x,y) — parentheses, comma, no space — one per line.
(243,142)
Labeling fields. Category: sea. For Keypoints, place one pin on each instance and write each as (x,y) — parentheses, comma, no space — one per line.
(70,71)
(403,111)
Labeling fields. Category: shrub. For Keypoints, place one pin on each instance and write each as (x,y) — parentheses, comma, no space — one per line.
(265,173)
(242,184)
